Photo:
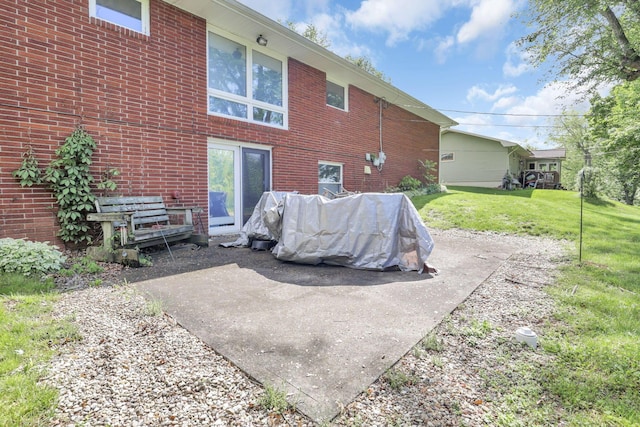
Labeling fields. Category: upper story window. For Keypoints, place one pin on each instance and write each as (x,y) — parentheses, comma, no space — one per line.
(336,95)
(245,83)
(132,14)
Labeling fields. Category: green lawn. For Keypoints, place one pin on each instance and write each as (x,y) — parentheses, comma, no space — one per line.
(28,334)
(595,335)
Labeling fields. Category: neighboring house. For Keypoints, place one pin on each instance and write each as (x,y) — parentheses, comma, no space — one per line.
(203,100)
(468,159)
(543,169)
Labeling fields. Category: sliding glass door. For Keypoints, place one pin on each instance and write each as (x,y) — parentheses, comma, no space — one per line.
(238,175)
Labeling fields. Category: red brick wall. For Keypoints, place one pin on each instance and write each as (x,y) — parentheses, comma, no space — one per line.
(143,99)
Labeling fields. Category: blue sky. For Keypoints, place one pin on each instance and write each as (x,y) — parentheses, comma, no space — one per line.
(458,56)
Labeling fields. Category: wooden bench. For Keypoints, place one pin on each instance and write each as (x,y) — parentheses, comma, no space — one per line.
(138,222)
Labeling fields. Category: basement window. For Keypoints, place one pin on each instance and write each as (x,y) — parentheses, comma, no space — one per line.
(329,178)
(131,14)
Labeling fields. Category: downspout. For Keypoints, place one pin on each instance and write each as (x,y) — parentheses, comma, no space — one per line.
(381,160)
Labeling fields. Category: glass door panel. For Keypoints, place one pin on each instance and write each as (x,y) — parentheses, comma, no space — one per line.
(223,200)
(256,178)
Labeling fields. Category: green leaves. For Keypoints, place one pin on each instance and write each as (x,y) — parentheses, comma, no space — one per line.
(590,42)
(28,173)
(70,179)
(29,258)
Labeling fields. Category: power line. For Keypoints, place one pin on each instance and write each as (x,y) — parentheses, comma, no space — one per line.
(513,114)
(513,126)
(485,113)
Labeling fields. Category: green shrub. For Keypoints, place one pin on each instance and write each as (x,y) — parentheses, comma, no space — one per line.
(29,258)
(409,183)
(84,265)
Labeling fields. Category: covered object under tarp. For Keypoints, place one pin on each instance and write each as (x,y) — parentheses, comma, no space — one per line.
(373,231)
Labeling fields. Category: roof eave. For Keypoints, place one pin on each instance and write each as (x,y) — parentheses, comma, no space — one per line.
(245,22)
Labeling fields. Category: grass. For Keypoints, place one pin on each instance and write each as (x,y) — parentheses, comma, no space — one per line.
(397,379)
(154,308)
(28,332)
(594,377)
(274,400)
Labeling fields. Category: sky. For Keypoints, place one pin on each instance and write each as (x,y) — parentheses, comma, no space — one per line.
(457,56)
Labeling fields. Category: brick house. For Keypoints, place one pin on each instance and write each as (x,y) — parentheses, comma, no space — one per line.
(205,102)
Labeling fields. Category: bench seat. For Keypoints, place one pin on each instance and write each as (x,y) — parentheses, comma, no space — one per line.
(138,222)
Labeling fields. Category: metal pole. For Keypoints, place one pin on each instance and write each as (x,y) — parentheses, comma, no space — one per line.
(581,213)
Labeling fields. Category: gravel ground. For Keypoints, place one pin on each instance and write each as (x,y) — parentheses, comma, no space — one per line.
(134,366)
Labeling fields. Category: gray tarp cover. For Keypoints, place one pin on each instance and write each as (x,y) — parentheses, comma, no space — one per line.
(255,228)
(372,231)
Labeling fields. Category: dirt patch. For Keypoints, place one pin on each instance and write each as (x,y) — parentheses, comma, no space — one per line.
(185,257)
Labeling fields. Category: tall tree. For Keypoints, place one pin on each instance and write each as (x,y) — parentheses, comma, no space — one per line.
(310,32)
(365,63)
(590,41)
(571,131)
(613,122)
(314,34)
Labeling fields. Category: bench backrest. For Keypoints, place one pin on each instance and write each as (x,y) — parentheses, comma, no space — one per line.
(148,209)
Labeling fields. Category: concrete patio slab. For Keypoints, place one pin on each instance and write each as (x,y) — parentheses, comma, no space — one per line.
(321,333)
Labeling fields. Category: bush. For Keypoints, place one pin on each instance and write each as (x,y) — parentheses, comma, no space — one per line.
(409,183)
(29,258)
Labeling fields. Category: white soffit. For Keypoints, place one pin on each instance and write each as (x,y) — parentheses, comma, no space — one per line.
(248,24)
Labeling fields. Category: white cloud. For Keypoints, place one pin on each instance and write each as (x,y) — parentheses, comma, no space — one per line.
(443,49)
(525,117)
(477,92)
(340,42)
(504,103)
(474,123)
(516,63)
(552,99)
(487,18)
(398,18)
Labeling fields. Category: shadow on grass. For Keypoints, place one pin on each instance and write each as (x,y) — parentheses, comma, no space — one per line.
(599,202)
(526,193)
(420,201)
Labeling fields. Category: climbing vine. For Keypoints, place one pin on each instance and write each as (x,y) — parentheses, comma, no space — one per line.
(28,173)
(70,179)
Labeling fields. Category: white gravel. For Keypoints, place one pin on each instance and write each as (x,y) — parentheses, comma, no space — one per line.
(136,368)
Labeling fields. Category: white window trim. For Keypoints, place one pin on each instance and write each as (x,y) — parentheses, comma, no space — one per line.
(248,100)
(322,162)
(346,94)
(452,159)
(145,16)
(237,147)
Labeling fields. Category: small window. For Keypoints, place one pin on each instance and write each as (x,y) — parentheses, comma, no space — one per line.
(543,166)
(553,166)
(446,157)
(532,166)
(336,95)
(329,178)
(132,14)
